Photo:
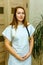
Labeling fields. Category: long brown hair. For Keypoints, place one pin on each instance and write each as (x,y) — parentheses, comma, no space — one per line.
(14,21)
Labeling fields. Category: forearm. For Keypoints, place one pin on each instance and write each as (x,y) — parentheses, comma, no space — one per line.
(11,50)
(31,48)
(31,44)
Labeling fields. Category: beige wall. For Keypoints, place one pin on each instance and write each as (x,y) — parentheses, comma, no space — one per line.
(6,18)
(2,19)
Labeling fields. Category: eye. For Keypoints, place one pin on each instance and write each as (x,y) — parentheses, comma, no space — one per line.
(19,13)
(22,12)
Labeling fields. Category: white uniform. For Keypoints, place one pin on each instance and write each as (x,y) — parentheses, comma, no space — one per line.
(20,43)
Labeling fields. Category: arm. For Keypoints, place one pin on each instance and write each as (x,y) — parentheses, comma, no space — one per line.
(31,44)
(31,48)
(11,50)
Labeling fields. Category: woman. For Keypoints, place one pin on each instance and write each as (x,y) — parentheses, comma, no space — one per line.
(21,49)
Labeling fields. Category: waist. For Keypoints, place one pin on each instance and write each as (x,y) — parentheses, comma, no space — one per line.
(21,50)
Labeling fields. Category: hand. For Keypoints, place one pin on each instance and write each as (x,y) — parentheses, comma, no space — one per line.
(20,58)
(26,56)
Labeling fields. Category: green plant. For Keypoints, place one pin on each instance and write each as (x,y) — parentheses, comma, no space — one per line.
(38,39)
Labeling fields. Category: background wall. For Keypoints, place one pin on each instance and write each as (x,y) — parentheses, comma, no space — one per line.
(35,11)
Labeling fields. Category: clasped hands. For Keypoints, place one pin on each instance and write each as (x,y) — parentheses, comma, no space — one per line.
(24,57)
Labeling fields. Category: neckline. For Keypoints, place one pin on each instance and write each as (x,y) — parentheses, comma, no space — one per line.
(20,25)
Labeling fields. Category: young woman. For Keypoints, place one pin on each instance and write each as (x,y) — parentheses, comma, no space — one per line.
(21,49)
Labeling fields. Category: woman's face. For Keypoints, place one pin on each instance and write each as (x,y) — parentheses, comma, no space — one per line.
(20,14)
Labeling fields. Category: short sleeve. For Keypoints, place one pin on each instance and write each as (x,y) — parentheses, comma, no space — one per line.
(31,30)
(7,32)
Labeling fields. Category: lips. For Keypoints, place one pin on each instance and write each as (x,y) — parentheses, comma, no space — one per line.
(20,17)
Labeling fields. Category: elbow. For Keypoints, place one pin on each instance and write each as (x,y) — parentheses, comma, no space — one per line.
(6,45)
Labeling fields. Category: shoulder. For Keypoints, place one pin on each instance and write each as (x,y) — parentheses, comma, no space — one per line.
(7,32)
(8,27)
(31,29)
(30,25)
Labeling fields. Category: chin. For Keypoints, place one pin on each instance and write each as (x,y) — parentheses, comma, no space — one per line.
(21,20)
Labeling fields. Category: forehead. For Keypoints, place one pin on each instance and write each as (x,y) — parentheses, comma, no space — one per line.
(20,10)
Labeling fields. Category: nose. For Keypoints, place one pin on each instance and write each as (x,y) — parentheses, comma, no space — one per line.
(21,14)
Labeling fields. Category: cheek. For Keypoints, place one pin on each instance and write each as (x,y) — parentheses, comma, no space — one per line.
(17,16)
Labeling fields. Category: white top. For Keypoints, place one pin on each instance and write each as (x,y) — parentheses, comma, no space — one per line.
(20,42)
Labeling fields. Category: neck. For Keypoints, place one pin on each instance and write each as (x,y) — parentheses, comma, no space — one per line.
(19,23)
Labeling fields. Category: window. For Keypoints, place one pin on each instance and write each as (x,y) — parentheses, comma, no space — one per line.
(1,10)
(12,10)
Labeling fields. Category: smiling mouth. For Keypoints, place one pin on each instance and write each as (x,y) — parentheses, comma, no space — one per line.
(21,17)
